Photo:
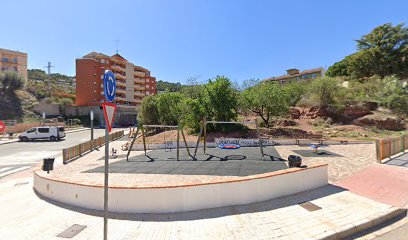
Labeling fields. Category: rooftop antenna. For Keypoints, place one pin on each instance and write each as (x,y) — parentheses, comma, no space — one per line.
(117,46)
(49,66)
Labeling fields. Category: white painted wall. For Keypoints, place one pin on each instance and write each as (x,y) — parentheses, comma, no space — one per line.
(178,199)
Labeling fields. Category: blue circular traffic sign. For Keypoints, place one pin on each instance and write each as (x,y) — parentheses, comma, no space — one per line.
(109,85)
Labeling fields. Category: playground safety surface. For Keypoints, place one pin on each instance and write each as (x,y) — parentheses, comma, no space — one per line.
(215,162)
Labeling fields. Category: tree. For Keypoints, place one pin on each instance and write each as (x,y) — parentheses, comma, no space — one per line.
(325,91)
(169,108)
(10,82)
(294,91)
(266,100)
(220,99)
(148,112)
(383,51)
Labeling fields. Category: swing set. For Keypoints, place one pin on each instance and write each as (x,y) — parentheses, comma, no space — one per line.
(168,144)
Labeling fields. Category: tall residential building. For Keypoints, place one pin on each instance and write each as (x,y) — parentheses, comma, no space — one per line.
(133,82)
(13,61)
(294,75)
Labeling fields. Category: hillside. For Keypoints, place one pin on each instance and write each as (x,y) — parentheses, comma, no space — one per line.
(53,88)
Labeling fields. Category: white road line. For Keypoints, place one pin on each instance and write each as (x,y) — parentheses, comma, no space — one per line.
(13,171)
(4,169)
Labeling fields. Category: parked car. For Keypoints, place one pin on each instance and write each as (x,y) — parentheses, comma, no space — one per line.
(52,133)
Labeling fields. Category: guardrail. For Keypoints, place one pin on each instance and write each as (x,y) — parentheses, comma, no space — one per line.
(72,153)
(391,146)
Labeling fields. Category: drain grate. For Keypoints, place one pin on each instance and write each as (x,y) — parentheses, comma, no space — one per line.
(72,231)
(21,183)
(310,206)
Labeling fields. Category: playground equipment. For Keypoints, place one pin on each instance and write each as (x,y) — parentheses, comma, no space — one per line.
(229,144)
(167,143)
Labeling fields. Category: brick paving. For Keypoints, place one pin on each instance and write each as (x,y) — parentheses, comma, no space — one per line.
(30,217)
(350,158)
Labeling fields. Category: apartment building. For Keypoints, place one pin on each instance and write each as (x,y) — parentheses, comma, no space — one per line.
(13,61)
(133,82)
(294,75)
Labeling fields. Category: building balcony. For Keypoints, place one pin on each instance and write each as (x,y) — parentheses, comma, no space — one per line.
(120,98)
(139,87)
(120,83)
(139,94)
(118,68)
(139,80)
(139,74)
(120,76)
(121,90)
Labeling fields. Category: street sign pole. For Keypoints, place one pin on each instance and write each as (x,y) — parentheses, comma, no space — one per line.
(105,190)
(109,88)
(92,130)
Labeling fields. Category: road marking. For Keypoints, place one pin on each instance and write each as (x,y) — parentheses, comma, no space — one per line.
(13,171)
(4,169)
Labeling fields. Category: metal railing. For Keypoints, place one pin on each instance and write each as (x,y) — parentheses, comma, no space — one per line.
(391,146)
(72,153)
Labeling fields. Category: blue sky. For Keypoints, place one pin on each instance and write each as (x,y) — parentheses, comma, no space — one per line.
(183,38)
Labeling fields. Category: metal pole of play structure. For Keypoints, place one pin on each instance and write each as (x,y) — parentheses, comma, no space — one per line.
(259,139)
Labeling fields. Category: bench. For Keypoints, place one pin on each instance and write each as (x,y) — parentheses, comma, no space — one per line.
(315,137)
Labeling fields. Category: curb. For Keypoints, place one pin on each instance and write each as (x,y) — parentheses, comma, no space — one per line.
(12,141)
(76,130)
(355,228)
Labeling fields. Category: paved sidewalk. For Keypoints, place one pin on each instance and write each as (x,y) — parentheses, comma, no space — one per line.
(381,182)
(26,216)
(401,161)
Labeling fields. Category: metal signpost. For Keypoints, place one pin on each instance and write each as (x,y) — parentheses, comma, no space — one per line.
(109,89)
(92,130)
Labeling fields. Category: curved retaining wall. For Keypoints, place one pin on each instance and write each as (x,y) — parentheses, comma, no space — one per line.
(181,198)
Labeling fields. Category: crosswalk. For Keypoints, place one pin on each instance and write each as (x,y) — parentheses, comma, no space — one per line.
(7,170)
(25,157)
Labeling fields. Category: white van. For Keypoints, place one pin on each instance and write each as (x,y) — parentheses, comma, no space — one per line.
(52,133)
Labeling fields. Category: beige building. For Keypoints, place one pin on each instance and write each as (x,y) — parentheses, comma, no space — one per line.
(294,75)
(13,61)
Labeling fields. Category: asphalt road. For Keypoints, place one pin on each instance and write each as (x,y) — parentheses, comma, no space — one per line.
(19,156)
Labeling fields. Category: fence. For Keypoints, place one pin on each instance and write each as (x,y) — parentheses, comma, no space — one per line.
(70,154)
(391,146)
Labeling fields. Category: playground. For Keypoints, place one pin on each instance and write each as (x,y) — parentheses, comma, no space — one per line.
(163,168)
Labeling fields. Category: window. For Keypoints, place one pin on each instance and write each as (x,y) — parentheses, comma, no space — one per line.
(43,130)
(4,59)
(15,69)
(61,129)
(14,60)
(306,76)
(314,75)
(31,130)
